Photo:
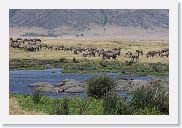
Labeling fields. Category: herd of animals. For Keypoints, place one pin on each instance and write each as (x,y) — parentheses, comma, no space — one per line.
(33,45)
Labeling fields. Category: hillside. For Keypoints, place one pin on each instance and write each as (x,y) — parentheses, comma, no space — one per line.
(90,21)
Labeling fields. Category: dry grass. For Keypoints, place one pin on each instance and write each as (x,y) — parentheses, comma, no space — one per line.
(14,108)
(126,45)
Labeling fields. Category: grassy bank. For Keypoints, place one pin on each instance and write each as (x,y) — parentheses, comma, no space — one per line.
(102,99)
(91,66)
(47,105)
(89,106)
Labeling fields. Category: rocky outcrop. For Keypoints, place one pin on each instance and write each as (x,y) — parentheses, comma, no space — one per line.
(74,86)
(67,85)
(131,85)
(41,84)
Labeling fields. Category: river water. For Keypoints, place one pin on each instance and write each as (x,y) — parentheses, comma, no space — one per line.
(19,79)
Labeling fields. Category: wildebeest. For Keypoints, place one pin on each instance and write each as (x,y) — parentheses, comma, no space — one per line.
(109,55)
(135,56)
(165,50)
(158,52)
(43,45)
(128,54)
(67,49)
(58,47)
(15,45)
(150,54)
(31,48)
(85,53)
(140,52)
(165,54)
(49,47)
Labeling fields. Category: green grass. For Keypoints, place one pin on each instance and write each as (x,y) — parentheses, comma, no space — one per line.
(149,100)
(47,105)
(91,66)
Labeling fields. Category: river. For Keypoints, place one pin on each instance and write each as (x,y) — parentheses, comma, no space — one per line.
(19,79)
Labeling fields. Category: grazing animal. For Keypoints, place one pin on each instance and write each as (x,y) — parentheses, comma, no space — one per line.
(150,54)
(135,56)
(49,47)
(164,54)
(128,54)
(165,50)
(140,52)
(158,52)
(59,47)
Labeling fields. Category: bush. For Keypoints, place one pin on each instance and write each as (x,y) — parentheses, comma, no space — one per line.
(129,63)
(62,60)
(123,107)
(115,105)
(36,97)
(151,96)
(84,106)
(74,60)
(103,63)
(110,103)
(99,86)
(147,111)
(61,107)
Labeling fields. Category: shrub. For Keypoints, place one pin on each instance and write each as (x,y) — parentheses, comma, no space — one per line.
(130,62)
(151,96)
(99,86)
(110,103)
(147,111)
(36,97)
(103,63)
(62,60)
(74,60)
(123,107)
(61,107)
(84,106)
(115,105)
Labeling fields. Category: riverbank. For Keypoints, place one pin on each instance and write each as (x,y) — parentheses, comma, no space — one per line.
(91,66)
(149,100)
(15,108)
(71,86)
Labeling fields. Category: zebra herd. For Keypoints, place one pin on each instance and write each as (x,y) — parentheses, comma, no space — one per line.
(36,44)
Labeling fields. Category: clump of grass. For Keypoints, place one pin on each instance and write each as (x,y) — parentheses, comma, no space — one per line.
(129,62)
(85,106)
(123,106)
(99,86)
(61,107)
(62,60)
(151,96)
(110,103)
(147,111)
(74,60)
(36,97)
(103,63)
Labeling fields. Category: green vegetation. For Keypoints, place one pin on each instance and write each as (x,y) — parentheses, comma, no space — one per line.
(153,100)
(36,97)
(61,107)
(99,86)
(153,97)
(110,103)
(91,66)
(147,111)
(73,106)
